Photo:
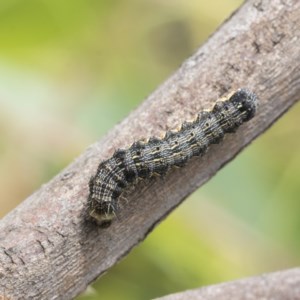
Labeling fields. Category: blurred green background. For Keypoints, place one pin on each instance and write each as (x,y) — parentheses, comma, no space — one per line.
(70,70)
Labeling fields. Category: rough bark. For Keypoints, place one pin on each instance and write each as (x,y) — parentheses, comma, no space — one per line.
(49,251)
(284,285)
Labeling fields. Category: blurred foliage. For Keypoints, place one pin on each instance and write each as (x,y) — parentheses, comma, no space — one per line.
(70,70)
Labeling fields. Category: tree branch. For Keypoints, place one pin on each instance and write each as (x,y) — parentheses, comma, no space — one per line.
(276,286)
(48,250)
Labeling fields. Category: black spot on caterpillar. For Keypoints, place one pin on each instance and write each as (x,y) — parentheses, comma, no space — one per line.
(158,156)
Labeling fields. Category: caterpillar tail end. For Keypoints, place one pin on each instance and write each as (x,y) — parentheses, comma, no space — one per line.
(248,101)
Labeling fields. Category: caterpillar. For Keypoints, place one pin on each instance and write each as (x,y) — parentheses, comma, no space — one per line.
(157,156)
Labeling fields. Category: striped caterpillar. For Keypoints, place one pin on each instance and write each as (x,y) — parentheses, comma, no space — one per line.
(158,156)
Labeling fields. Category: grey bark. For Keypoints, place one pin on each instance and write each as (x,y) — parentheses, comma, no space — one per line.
(284,285)
(47,248)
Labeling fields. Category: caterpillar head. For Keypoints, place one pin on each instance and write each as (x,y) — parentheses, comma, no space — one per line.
(102,206)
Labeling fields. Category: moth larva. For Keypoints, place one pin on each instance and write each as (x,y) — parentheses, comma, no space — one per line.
(158,156)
